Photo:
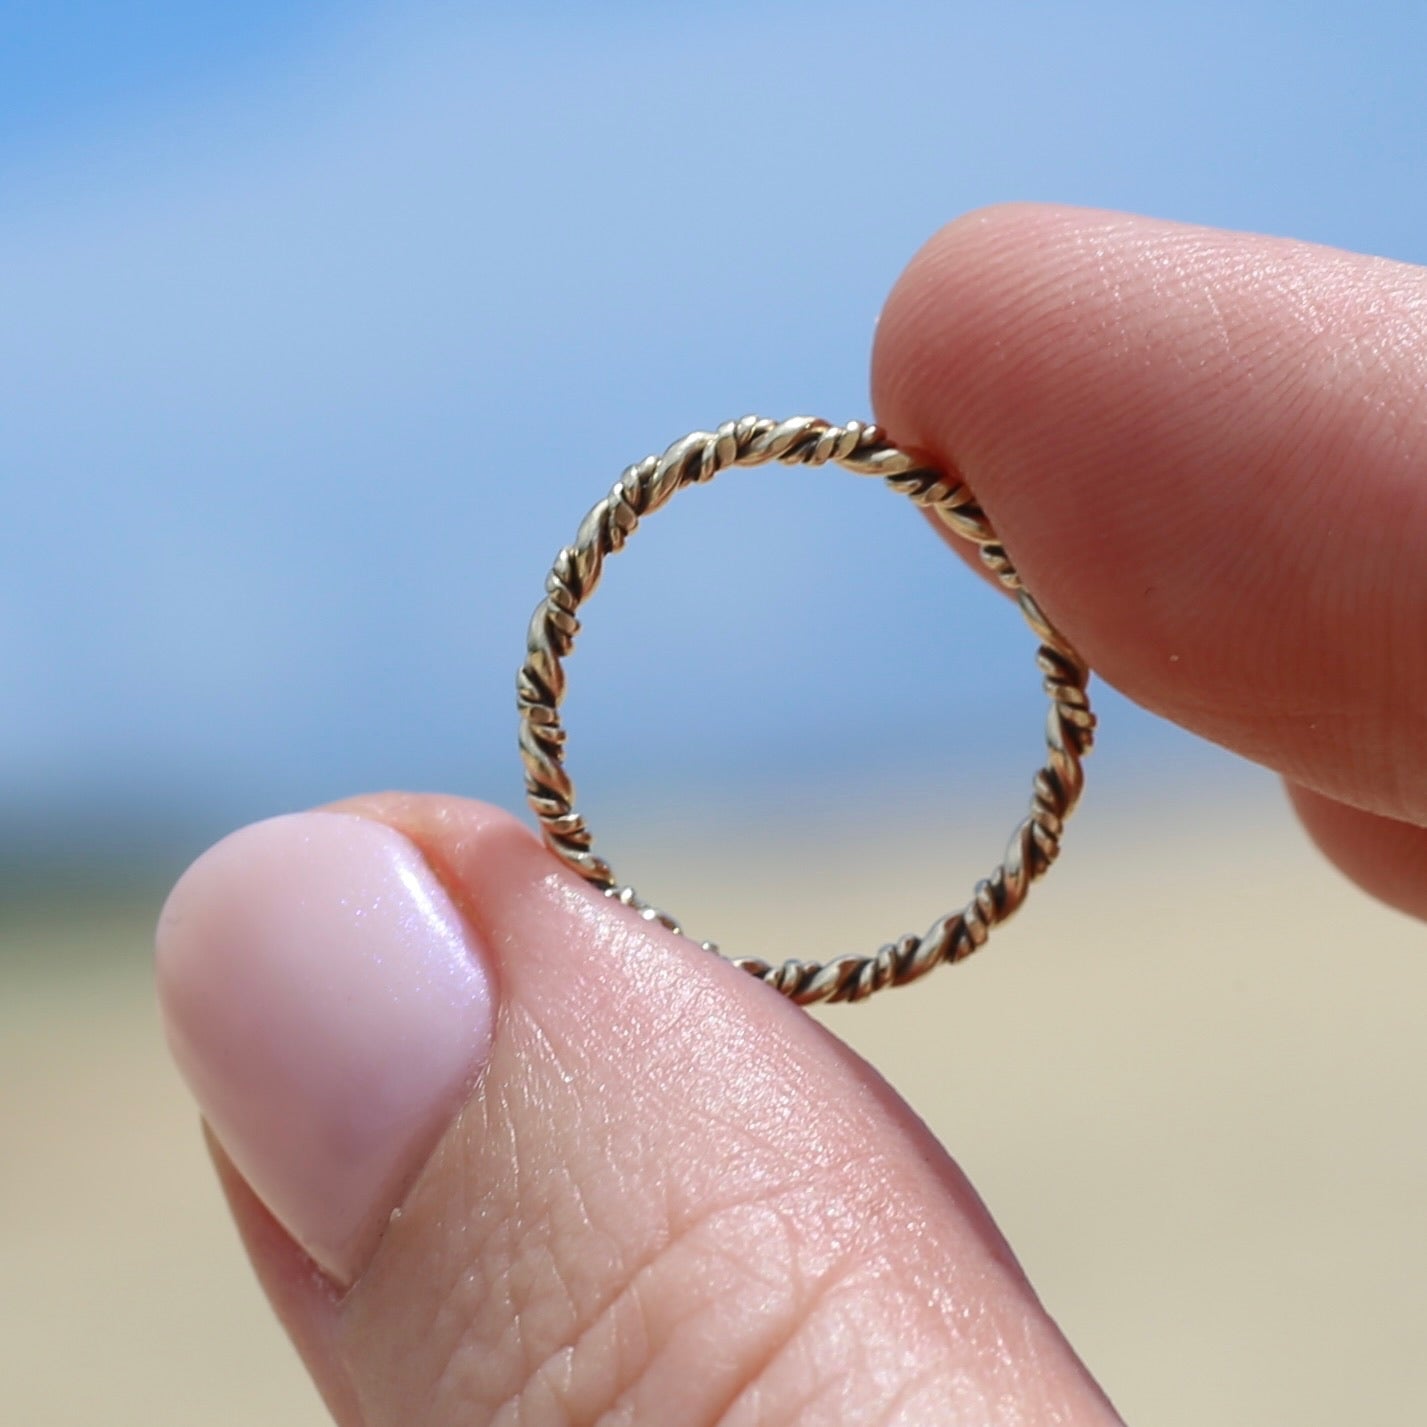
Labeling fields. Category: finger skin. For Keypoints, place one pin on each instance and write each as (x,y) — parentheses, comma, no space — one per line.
(671,1198)
(305,1300)
(1207,454)
(1384,857)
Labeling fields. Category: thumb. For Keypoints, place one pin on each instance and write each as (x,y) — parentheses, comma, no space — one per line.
(502,1151)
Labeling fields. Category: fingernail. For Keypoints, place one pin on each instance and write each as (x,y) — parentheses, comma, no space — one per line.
(329,1008)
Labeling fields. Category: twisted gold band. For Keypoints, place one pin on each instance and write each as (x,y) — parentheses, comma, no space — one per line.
(803,440)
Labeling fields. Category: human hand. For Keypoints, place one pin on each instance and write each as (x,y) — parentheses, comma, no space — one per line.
(633,1184)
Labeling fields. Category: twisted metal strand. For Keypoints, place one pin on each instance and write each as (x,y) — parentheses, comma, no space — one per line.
(803,440)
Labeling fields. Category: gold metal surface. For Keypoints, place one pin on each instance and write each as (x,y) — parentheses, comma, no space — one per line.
(865,450)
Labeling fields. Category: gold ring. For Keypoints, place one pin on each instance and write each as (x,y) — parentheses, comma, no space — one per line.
(865,450)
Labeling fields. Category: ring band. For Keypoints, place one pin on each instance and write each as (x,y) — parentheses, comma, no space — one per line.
(865,450)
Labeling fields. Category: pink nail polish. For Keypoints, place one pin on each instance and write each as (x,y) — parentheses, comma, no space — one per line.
(329,1009)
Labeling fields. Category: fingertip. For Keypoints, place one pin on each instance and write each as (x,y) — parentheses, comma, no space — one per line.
(966,300)
(1203,451)
(328,1004)
(994,354)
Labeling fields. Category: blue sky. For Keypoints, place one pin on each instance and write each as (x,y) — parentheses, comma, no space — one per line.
(322,326)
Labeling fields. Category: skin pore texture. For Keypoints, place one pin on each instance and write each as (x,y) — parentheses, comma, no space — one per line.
(616,1181)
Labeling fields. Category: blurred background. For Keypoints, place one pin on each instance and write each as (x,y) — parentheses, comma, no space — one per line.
(321,326)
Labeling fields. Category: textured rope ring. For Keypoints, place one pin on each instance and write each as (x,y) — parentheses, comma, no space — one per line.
(864,449)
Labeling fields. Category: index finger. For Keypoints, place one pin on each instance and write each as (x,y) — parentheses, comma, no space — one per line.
(1205,452)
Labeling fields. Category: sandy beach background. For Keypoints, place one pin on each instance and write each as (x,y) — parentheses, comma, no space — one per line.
(1190,1082)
